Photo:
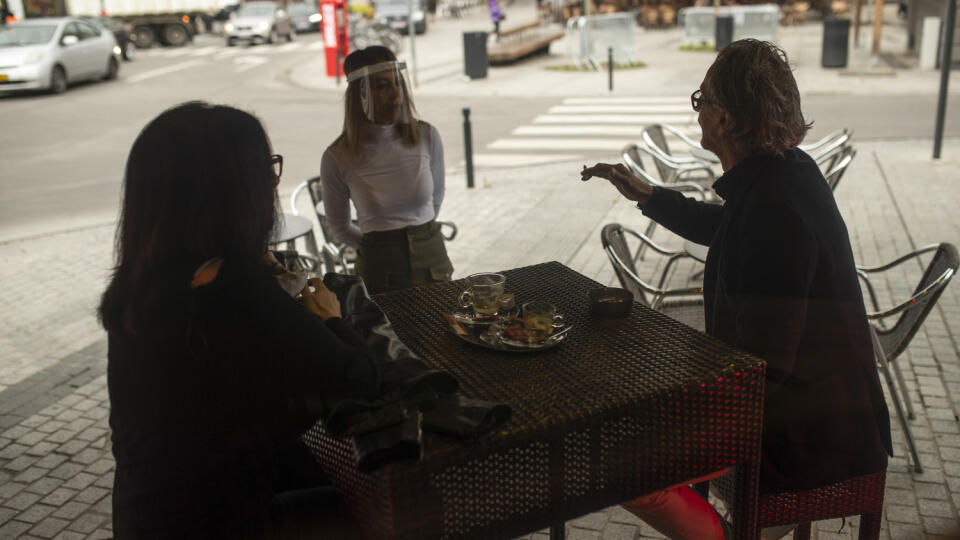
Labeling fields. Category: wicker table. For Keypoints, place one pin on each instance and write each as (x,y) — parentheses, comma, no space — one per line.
(621,408)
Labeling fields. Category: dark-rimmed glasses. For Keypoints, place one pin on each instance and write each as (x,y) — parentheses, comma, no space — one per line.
(276,161)
(697,101)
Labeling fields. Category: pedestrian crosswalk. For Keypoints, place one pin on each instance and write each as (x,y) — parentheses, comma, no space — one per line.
(222,51)
(579,127)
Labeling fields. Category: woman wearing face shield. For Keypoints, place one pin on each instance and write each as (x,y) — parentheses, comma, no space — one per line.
(390,164)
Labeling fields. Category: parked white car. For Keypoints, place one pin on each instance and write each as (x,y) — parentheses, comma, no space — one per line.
(52,53)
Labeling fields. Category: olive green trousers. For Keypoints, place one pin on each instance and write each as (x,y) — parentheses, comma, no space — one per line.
(401,258)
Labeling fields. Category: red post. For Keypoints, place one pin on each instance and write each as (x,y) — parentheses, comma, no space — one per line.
(336,43)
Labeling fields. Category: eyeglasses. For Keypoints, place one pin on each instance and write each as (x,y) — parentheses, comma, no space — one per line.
(697,101)
(276,161)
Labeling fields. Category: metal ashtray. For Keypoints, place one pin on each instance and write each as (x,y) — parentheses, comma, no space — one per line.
(610,301)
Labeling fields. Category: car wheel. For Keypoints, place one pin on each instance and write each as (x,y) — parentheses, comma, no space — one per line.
(129,50)
(175,35)
(292,35)
(58,80)
(113,67)
(144,36)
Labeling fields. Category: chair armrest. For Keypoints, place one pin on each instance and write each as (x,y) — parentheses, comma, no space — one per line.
(452,233)
(898,260)
(862,272)
(689,168)
(814,147)
(653,245)
(674,161)
(627,155)
(682,136)
(293,197)
(650,289)
(938,283)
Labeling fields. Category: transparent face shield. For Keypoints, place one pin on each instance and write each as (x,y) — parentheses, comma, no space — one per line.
(384,95)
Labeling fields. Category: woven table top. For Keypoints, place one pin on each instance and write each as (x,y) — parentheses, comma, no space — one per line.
(621,407)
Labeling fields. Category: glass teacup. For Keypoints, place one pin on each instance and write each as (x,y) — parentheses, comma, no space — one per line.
(483,293)
(540,319)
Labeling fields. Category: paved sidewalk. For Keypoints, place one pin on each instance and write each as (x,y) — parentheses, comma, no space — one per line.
(56,470)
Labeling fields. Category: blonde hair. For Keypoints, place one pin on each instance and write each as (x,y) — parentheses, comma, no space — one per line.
(353,115)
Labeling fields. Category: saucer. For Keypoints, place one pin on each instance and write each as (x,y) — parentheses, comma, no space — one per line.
(469,317)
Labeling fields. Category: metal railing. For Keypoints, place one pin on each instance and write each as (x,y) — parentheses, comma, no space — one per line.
(590,38)
(754,21)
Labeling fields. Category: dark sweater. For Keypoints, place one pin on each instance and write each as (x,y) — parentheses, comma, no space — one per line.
(207,408)
(780,283)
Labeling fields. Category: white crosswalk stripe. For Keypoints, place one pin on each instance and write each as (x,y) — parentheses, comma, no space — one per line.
(589,125)
(239,56)
(204,51)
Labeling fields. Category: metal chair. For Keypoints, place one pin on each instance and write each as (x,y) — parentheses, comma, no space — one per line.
(655,136)
(684,304)
(840,162)
(672,169)
(890,342)
(336,256)
(832,140)
(632,155)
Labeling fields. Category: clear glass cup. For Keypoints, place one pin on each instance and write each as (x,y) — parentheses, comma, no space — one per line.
(484,293)
(539,320)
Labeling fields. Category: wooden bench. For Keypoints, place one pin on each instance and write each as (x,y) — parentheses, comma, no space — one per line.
(522,41)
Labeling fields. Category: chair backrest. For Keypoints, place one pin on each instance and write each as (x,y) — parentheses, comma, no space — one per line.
(315,189)
(653,136)
(613,239)
(835,173)
(935,278)
(657,137)
(632,155)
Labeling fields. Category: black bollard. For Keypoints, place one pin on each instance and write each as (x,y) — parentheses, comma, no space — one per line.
(468,146)
(610,68)
(946,55)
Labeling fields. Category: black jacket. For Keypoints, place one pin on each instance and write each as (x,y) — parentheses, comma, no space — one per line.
(780,283)
(208,407)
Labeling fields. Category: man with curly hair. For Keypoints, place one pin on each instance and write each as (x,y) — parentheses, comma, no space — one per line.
(779,282)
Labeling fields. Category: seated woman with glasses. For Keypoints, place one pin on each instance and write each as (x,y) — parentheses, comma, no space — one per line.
(779,282)
(212,365)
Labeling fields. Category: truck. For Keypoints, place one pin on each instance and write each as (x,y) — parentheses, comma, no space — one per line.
(169,22)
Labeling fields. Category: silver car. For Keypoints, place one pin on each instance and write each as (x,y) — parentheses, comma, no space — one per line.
(51,53)
(258,22)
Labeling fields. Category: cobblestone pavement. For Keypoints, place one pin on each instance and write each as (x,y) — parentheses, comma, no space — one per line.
(56,470)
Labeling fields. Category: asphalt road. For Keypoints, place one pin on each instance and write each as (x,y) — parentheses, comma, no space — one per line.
(63,156)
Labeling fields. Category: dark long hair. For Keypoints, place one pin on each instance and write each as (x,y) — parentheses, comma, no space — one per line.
(753,81)
(353,115)
(198,184)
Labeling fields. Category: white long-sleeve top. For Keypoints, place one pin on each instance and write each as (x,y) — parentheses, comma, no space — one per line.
(392,186)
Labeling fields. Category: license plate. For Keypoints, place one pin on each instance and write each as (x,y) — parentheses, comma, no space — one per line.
(3,77)
(398,24)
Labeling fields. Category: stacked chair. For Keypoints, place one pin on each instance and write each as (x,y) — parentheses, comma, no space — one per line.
(695,164)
